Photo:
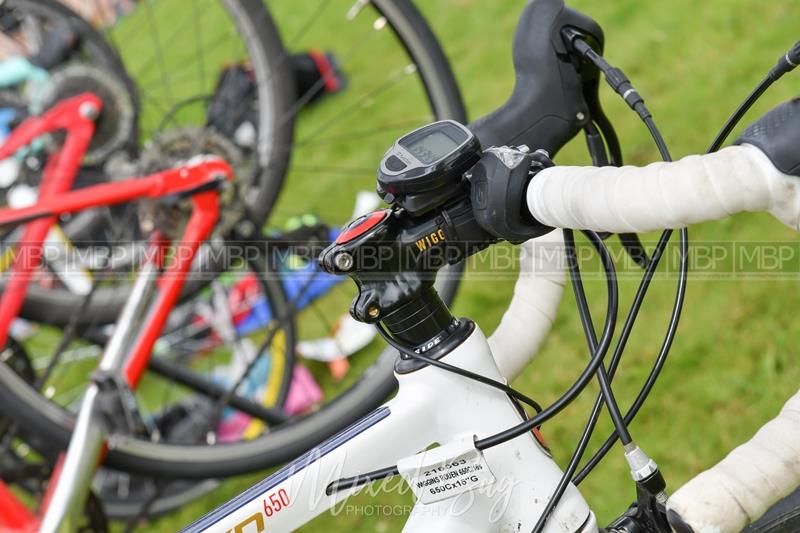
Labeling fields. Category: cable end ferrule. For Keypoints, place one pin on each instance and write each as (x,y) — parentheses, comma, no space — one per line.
(641,465)
(786,63)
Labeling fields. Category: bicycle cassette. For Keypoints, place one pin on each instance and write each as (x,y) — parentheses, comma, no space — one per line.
(173,148)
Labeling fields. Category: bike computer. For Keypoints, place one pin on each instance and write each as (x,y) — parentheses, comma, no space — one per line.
(424,168)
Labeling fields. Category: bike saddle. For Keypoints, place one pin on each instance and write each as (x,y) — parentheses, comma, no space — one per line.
(777,134)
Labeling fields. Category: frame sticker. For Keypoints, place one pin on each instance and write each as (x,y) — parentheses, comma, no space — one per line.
(446,471)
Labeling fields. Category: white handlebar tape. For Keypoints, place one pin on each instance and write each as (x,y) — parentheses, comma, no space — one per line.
(533,307)
(664,195)
(753,477)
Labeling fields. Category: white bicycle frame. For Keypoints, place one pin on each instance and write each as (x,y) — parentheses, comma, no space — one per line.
(432,406)
(436,406)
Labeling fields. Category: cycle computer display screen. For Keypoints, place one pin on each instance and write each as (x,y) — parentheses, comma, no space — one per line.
(431,147)
(431,158)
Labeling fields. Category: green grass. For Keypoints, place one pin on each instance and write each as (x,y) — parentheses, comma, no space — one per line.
(736,358)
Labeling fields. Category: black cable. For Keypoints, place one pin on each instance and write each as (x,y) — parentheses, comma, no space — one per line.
(595,144)
(627,327)
(597,150)
(605,383)
(363,479)
(662,145)
(610,136)
(617,79)
(577,387)
(615,359)
(786,63)
(406,353)
(630,241)
(620,347)
(622,85)
(660,360)
(737,115)
(588,327)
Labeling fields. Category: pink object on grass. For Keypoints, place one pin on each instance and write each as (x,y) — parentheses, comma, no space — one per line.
(304,393)
(231,428)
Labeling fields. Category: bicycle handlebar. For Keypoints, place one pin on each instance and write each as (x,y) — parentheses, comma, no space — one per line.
(673,195)
(665,195)
(534,304)
(746,483)
(761,174)
(757,474)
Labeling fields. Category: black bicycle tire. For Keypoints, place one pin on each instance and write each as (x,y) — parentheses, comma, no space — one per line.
(288,441)
(56,307)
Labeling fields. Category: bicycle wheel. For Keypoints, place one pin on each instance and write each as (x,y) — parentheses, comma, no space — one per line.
(412,64)
(178,88)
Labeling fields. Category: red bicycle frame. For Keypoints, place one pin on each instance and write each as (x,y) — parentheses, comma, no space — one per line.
(199,179)
(75,115)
